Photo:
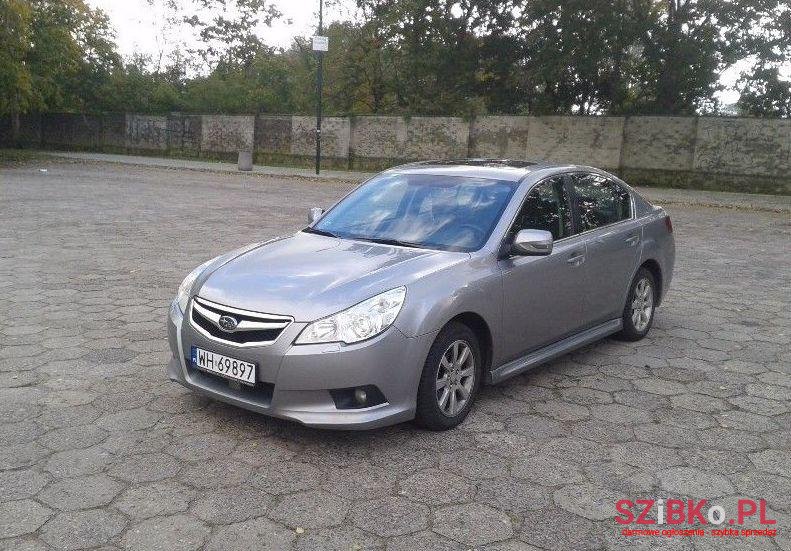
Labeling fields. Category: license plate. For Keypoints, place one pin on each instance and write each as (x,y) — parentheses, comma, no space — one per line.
(238,370)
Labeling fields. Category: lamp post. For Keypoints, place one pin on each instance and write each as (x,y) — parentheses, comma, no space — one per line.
(319,83)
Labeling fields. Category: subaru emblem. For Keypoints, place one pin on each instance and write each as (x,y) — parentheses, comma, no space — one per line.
(227,323)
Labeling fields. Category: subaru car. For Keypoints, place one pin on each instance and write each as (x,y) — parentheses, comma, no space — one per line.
(424,283)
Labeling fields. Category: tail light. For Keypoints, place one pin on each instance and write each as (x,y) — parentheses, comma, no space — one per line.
(668,224)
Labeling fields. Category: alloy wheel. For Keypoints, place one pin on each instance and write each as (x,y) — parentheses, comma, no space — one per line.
(642,304)
(455,378)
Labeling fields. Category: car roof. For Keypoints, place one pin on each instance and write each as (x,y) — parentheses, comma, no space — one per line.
(510,170)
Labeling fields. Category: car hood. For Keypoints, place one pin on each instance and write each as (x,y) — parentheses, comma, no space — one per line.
(310,276)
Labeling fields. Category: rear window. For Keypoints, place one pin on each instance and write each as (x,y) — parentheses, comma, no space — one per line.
(600,201)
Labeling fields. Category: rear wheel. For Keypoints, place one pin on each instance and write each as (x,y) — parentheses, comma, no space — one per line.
(638,314)
(450,380)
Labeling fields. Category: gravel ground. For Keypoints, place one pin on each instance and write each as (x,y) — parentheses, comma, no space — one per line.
(98,449)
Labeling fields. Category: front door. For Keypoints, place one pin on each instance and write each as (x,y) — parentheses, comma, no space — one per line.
(612,235)
(543,296)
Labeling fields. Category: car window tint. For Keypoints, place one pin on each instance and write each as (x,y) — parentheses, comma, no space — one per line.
(455,213)
(546,208)
(600,201)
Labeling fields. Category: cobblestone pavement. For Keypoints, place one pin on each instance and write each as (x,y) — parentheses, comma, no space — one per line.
(98,449)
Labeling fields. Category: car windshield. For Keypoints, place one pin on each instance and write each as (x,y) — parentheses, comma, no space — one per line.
(453,213)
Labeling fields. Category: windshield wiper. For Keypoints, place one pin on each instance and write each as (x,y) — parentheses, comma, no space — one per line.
(397,242)
(319,232)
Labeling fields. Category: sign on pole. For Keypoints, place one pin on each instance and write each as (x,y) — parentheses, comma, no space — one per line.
(321,43)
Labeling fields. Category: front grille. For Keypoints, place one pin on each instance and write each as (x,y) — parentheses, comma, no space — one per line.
(252,328)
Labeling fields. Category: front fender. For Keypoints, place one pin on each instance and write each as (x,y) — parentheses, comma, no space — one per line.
(432,301)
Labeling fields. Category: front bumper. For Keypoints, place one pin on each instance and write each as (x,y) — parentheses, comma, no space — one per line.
(294,381)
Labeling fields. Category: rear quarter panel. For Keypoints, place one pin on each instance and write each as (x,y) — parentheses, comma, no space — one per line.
(659,245)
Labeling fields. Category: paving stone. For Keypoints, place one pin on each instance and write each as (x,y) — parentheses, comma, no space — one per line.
(423,540)
(760,406)
(146,468)
(621,477)
(693,482)
(157,499)
(339,538)
(259,533)
(700,404)
(24,543)
(21,455)
(588,501)
(87,492)
(82,529)
(744,420)
(512,496)
(202,446)
(646,456)
(226,472)
(21,484)
(723,462)
(474,464)
(772,461)
(363,481)
(546,470)
(21,517)
(393,516)
(73,463)
(173,533)
(310,510)
(73,438)
(436,487)
(618,413)
(234,504)
(472,524)
(575,533)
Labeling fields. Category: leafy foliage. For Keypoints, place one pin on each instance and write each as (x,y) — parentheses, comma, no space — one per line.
(434,57)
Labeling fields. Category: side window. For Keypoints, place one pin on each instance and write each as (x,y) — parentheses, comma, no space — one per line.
(600,201)
(546,208)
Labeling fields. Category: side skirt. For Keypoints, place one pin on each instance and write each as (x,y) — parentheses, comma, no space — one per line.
(554,350)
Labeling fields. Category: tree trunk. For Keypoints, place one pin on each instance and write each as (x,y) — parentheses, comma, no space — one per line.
(15,141)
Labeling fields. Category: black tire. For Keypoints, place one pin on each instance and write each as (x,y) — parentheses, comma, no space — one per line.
(429,414)
(632,330)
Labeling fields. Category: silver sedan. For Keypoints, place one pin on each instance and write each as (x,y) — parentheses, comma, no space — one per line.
(422,284)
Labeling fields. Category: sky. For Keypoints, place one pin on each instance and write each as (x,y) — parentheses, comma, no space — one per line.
(140,28)
(139,25)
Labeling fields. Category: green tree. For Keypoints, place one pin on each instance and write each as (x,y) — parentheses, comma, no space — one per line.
(227,28)
(765,94)
(16,88)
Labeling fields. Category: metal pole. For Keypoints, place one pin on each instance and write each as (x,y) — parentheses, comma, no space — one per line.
(319,83)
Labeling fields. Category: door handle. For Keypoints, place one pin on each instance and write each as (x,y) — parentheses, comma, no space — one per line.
(632,240)
(576,259)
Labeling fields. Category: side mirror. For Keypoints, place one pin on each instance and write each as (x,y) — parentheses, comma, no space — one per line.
(314,214)
(532,243)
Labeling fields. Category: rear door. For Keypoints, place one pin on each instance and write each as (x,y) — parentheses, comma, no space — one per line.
(604,216)
(543,295)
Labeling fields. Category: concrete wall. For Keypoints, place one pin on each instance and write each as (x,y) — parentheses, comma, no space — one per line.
(335,137)
(503,137)
(709,153)
(227,133)
(146,133)
(595,141)
(383,140)
(659,143)
(743,146)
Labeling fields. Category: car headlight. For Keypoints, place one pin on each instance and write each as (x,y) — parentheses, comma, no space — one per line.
(183,295)
(362,321)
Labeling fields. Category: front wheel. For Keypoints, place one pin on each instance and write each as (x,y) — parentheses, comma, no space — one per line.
(450,380)
(638,314)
